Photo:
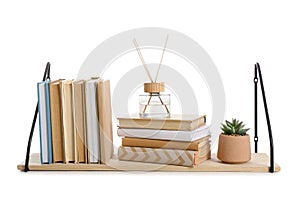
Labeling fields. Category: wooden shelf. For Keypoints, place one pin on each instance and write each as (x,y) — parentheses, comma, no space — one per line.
(258,163)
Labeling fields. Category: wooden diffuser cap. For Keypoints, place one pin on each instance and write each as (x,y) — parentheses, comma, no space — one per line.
(154,87)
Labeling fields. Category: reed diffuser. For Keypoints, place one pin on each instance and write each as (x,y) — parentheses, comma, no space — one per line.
(152,103)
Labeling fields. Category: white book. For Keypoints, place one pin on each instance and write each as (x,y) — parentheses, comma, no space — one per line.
(166,134)
(93,139)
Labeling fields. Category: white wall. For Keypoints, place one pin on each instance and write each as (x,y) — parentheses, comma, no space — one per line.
(236,34)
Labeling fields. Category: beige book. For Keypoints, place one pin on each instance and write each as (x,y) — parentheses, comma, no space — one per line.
(80,120)
(105,120)
(174,122)
(56,121)
(68,121)
(166,144)
(165,156)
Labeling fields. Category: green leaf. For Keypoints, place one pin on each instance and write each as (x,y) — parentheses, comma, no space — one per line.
(241,132)
(228,123)
(239,126)
(226,130)
(233,130)
(246,130)
(223,127)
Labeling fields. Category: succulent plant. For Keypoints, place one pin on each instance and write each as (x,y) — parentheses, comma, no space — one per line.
(234,128)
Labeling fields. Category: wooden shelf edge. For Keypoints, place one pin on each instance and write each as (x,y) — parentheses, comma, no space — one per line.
(258,163)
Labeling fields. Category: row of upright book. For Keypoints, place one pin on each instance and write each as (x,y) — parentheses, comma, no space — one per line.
(75,121)
(182,140)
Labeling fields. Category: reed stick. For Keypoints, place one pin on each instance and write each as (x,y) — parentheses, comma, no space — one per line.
(162,56)
(142,58)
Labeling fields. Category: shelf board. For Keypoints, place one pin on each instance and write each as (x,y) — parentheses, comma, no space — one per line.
(258,163)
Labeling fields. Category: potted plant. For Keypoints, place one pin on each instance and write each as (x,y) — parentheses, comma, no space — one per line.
(234,143)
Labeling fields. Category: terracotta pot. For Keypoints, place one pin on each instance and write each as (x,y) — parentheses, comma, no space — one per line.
(234,149)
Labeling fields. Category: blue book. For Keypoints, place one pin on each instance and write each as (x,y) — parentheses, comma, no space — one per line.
(49,128)
(45,122)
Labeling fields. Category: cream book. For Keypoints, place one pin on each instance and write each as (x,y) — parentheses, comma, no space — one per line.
(68,121)
(56,121)
(93,136)
(186,136)
(165,156)
(80,119)
(166,144)
(105,120)
(174,122)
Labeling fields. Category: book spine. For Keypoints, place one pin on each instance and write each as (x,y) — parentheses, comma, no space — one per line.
(163,144)
(43,156)
(49,128)
(56,123)
(160,156)
(158,124)
(68,121)
(93,141)
(105,121)
(80,120)
(185,136)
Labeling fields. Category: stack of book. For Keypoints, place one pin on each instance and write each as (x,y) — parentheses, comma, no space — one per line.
(75,121)
(179,140)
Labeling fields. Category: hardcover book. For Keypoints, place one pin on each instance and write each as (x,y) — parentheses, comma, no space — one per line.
(93,136)
(165,156)
(56,121)
(186,136)
(174,122)
(166,144)
(45,122)
(68,121)
(80,120)
(105,120)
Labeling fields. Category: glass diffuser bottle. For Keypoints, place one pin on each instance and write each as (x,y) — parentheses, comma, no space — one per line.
(152,103)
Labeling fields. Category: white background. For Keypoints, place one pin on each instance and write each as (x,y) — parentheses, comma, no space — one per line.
(236,34)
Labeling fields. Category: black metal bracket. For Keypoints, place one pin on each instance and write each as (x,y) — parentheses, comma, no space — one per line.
(46,76)
(258,71)
(255,110)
